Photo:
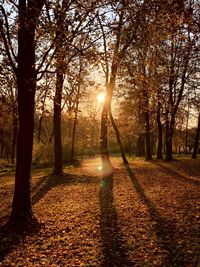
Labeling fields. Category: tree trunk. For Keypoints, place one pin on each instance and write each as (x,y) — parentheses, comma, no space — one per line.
(169,138)
(26,84)
(140,145)
(186,132)
(73,139)
(58,169)
(14,138)
(160,144)
(40,129)
(194,154)
(106,163)
(51,137)
(42,116)
(60,72)
(118,139)
(148,154)
(168,146)
(74,132)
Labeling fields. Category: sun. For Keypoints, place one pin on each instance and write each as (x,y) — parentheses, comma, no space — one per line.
(101,97)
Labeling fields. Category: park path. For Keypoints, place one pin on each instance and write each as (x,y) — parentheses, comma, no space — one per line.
(145,215)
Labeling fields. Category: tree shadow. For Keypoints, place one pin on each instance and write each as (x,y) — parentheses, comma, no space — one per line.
(176,175)
(113,247)
(11,236)
(48,182)
(194,170)
(164,229)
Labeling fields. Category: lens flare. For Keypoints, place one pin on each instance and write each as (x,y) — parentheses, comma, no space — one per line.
(99,168)
(101,97)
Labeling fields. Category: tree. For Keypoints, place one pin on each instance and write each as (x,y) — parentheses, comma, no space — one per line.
(179,50)
(78,83)
(8,98)
(60,15)
(159,127)
(124,20)
(68,29)
(28,15)
(194,154)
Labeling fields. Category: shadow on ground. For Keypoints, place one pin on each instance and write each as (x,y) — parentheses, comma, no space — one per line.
(46,183)
(176,175)
(113,248)
(10,237)
(163,228)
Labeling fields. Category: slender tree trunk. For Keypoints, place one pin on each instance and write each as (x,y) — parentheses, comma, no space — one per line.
(194,154)
(76,110)
(110,85)
(73,139)
(42,116)
(58,169)
(186,132)
(60,72)
(169,138)
(159,124)
(51,137)
(93,144)
(71,123)
(118,139)
(26,84)
(40,129)
(106,163)
(140,145)
(74,132)
(14,138)
(148,153)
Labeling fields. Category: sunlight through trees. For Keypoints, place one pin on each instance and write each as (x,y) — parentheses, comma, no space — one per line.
(55,58)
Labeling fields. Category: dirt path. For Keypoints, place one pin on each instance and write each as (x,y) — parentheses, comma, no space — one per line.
(145,215)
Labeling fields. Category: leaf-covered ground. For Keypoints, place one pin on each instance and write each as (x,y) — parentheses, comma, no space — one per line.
(147,214)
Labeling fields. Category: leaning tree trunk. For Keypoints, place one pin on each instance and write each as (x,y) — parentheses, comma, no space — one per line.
(159,124)
(106,163)
(26,84)
(58,169)
(118,138)
(194,154)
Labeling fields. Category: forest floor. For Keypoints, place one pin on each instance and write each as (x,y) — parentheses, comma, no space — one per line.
(146,214)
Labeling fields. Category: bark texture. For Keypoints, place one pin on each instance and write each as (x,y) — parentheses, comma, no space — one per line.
(26,83)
